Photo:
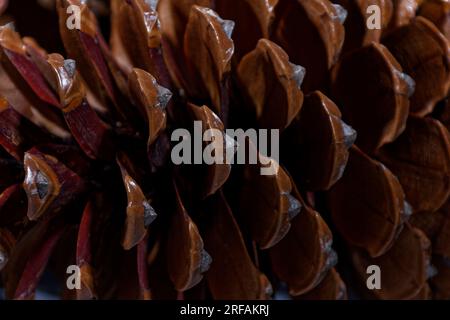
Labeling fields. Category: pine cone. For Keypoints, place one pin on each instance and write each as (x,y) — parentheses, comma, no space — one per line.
(87,128)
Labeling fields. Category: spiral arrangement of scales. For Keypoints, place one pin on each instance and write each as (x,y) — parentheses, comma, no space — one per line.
(92,91)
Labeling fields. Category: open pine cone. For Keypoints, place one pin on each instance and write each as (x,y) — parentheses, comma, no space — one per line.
(86,125)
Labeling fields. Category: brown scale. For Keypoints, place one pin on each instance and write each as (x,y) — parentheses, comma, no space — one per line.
(370,87)
(420,158)
(187,258)
(330,288)
(405,267)
(328,141)
(316,23)
(356,32)
(271,85)
(169,65)
(438,12)
(305,268)
(232,274)
(382,201)
(423,52)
